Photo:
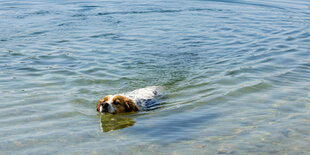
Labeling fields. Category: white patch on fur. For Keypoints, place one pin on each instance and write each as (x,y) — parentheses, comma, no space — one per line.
(142,94)
(110,101)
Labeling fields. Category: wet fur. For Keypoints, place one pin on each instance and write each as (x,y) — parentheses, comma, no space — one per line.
(119,103)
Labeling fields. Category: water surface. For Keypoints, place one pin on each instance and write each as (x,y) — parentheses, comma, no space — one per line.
(235,72)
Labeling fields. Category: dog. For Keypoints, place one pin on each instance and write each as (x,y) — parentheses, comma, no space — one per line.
(137,100)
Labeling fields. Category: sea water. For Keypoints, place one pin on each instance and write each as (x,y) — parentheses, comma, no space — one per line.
(236,76)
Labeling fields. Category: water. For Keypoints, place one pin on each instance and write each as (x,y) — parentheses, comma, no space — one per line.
(235,72)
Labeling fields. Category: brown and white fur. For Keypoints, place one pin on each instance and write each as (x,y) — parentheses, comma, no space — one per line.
(128,102)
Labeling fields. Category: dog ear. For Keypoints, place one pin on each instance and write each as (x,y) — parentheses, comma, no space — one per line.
(130,106)
(99,103)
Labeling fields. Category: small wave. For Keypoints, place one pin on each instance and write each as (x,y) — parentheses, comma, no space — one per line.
(247,88)
(38,32)
(238,2)
(138,12)
(35,13)
(103,35)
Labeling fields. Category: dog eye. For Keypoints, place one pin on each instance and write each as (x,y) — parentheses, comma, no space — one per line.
(116,102)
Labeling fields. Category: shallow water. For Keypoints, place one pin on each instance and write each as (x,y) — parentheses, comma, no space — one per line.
(236,76)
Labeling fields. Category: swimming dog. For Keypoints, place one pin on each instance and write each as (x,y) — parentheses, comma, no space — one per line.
(133,101)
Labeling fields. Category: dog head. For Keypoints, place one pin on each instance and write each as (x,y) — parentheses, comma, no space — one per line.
(116,104)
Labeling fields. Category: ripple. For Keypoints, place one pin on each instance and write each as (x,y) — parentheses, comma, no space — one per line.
(85,82)
(138,12)
(41,12)
(246,88)
(103,35)
(79,15)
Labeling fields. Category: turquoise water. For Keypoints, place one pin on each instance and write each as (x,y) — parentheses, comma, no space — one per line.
(236,75)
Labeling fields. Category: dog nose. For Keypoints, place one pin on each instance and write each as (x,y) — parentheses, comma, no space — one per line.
(105,105)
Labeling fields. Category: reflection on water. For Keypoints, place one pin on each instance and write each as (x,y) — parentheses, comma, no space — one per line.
(110,122)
